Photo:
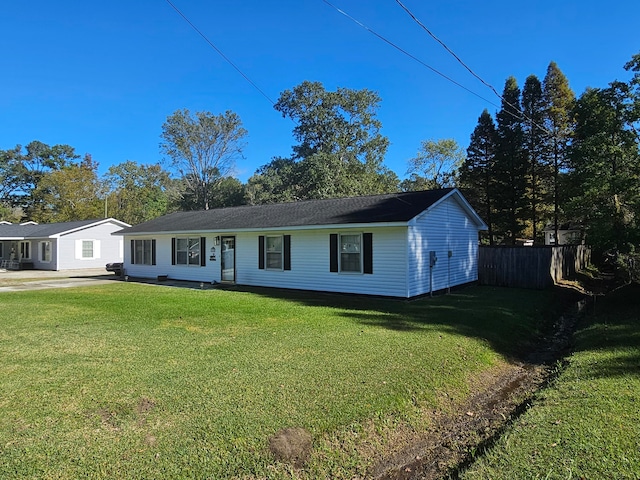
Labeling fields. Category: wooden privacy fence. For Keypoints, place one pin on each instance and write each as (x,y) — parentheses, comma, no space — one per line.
(530,267)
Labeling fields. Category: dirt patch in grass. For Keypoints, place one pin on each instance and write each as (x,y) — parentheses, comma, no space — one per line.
(292,446)
(502,395)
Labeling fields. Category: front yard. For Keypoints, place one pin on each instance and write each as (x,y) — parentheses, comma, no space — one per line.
(139,381)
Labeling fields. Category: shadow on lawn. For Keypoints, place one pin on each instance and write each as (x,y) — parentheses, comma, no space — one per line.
(510,320)
(613,327)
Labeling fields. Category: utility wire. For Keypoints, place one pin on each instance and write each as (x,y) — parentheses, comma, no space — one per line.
(389,42)
(220,52)
(424,27)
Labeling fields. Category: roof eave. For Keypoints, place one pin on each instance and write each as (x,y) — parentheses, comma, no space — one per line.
(335,226)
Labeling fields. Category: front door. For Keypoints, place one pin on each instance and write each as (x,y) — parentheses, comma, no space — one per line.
(228,259)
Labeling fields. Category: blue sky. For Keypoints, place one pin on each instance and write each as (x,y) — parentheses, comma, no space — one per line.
(103,76)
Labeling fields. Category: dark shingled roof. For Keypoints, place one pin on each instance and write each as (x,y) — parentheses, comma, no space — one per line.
(396,207)
(44,230)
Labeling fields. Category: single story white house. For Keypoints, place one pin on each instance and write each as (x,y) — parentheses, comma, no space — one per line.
(398,245)
(60,246)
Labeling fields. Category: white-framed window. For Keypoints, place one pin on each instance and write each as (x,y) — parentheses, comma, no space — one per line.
(273,252)
(350,248)
(25,250)
(188,251)
(87,249)
(143,252)
(45,251)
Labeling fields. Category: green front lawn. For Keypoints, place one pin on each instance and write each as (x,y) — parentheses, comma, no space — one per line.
(587,425)
(139,381)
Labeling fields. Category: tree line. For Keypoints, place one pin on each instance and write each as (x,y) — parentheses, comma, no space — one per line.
(548,158)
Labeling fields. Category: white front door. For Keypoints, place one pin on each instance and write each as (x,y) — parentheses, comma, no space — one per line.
(228,259)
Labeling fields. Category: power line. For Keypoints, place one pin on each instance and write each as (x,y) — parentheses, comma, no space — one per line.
(220,52)
(424,27)
(389,42)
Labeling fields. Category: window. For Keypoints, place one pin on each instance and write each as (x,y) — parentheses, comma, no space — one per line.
(188,251)
(350,253)
(45,252)
(25,250)
(87,248)
(274,252)
(143,252)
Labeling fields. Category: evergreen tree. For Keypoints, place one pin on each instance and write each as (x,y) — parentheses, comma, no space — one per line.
(534,150)
(558,99)
(477,171)
(510,165)
(605,167)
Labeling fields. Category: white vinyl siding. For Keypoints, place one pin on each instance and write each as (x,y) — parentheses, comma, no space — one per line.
(443,229)
(67,249)
(309,262)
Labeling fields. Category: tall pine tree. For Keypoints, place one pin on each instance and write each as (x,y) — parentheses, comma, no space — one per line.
(558,100)
(477,172)
(534,151)
(510,166)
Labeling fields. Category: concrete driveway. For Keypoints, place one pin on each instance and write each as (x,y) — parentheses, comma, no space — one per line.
(21,280)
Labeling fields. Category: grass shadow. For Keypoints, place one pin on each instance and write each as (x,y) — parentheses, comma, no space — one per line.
(512,321)
(613,328)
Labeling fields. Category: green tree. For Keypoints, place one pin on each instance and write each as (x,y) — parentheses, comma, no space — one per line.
(68,194)
(437,162)
(533,109)
(605,167)
(21,171)
(510,165)
(10,168)
(275,182)
(203,149)
(137,193)
(340,151)
(477,173)
(558,99)
(229,192)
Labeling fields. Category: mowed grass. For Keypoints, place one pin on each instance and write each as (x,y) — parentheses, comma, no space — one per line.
(136,381)
(587,425)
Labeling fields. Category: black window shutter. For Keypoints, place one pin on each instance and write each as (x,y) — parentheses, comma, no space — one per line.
(153,251)
(203,251)
(367,252)
(173,251)
(261,252)
(133,252)
(287,252)
(333,252)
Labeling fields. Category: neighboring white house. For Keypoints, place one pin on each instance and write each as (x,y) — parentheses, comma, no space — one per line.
(568,234)
(60,246)
(399,245)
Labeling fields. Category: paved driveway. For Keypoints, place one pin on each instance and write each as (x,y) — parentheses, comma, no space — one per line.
(15,281)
